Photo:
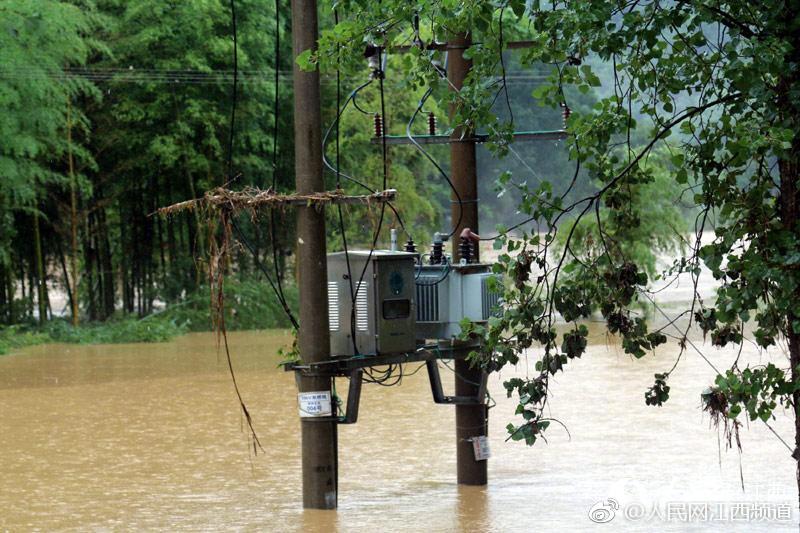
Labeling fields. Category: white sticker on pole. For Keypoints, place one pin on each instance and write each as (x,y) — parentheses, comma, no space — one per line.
(313,404)
(480,445)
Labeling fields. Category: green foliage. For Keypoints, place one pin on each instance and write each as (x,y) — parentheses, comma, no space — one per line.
(716,81)
(123,330)
(15,337)
(248,305)
(38,40)
(639,222)
(756,391)
(150,120)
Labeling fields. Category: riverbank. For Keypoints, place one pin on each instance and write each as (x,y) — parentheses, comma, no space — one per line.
(122,330)
(249,305)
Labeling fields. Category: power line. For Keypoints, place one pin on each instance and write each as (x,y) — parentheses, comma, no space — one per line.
(180,77)
(276,114)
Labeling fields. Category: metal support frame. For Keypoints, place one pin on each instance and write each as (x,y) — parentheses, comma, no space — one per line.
(353,401)
(438,393)
(352,367)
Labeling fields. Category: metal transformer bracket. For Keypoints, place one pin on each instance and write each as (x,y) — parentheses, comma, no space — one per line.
(352,367)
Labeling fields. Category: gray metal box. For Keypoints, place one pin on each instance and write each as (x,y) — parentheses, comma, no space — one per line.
(446,294)
(385,313)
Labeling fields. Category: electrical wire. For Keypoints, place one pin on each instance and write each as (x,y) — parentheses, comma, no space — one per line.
(433,161)
(438,281)
(276,114)
(157,76)
(234,96)
(342,228)
(337,169)
(264,271)
(222,330)
(359,285)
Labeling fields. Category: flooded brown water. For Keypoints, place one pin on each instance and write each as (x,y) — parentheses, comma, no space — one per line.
(149,437)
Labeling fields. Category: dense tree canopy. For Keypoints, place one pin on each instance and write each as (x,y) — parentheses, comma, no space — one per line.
(115,108)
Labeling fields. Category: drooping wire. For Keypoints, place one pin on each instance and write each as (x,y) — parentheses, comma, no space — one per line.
(221,296)
(241,236)
(337,169)
(342,228)
(376,236)
(276,114)
(433,161)
(441,278)
(234,89)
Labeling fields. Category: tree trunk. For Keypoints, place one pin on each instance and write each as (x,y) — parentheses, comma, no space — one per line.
(73,220)
(110,297)
(4,297)
(89,268)
(124,266)
(40,274)
(789,204)
(67,283)
(22,282)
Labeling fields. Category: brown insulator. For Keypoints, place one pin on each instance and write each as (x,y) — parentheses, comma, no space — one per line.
(565,112)
(378,123)
(465,250)
(431,123)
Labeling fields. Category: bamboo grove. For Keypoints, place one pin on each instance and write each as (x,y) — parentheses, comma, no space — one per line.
(112,109)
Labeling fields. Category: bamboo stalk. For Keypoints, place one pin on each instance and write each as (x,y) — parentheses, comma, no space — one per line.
(73,220)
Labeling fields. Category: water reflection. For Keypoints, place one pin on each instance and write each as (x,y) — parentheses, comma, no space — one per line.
(473,509)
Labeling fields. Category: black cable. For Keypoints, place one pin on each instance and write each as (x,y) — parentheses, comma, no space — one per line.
(383,122)
(337,170)
(222,331)
(276,102)
(438,281)
(276,114)
(380,220)
(234,95)
(433,161)
(335,123)
(263,269)
(342,229)
(358,107)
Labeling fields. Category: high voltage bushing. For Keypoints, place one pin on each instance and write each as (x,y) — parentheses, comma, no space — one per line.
(465,250)
(437,250)
(410,246)
(377,122)
(431,123)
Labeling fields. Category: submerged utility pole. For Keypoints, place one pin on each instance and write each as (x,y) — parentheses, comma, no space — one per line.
(471,420)
(320,475)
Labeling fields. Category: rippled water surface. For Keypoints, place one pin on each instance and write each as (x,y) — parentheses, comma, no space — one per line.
(150,437)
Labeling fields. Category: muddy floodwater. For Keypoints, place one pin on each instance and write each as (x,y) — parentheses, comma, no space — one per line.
(149,436)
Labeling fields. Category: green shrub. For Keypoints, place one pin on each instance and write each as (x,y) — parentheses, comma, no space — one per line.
(19,336)
(248,305)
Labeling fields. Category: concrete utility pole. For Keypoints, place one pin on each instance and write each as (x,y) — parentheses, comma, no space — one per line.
(471,420)
(320,475)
